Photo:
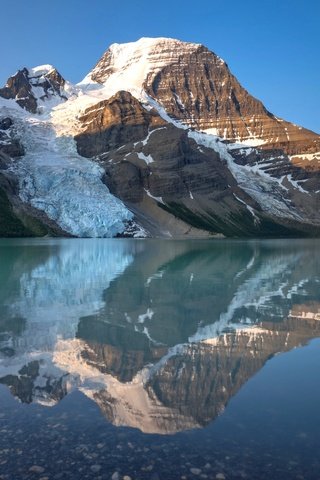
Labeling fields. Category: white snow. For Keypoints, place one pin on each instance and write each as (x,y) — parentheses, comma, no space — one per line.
(145,141)
(262,187)
(158,199)
(252,141)
(297,185)
(305,314)
(130,63)
(262,288)
(251,210)
(73,271)
(306,156)
(146,316)
(146,158)
(40,70)
(69,188)
(212,131)
(55,179)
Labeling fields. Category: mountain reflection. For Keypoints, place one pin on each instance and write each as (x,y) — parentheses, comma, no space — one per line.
(159,334)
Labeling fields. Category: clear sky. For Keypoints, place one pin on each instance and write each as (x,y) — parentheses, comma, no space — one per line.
(271,46)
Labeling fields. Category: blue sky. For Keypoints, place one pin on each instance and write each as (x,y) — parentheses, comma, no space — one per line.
(271,46)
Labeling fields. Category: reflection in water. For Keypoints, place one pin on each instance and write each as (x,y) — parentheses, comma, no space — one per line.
(159,334)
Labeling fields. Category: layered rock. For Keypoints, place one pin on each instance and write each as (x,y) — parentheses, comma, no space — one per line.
(158,169)
(196,86)
(126,121)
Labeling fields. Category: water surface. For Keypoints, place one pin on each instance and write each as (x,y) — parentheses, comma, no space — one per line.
(159,359)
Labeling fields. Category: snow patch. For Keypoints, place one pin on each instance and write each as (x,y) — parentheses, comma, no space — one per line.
(158,199)
(146,158)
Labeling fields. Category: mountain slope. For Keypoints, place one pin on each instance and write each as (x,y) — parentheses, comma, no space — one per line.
(115,154)
(196,86)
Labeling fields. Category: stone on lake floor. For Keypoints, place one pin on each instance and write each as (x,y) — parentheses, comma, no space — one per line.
(195,471)
(95,468)
(36,469)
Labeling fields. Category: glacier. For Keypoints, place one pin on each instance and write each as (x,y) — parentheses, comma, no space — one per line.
(54,178)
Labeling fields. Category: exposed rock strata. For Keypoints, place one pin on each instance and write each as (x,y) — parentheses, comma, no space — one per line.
(194,85)
(158,169)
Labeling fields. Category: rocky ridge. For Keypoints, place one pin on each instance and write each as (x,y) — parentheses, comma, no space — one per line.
(28,86)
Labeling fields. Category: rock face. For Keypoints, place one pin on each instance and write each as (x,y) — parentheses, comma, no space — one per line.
(113,123)
(10,145)
(196,86)
(158,169)
(29,86)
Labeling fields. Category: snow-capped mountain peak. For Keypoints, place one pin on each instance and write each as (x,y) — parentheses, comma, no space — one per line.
(40,70)
(129,64)
(32,87)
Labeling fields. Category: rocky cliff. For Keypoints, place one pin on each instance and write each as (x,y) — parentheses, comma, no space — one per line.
(157,169)
(196,86)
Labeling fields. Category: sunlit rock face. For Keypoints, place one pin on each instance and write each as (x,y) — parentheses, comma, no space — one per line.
(113,123)
(111,319)
(196,86)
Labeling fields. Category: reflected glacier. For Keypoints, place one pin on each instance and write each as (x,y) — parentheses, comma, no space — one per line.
(159,334)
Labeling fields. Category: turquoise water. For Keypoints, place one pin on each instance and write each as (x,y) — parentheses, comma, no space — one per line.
(159,359)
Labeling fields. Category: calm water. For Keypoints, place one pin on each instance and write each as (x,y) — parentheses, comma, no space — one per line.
(159,359)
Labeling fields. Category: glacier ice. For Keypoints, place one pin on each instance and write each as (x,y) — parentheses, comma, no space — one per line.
(67,187)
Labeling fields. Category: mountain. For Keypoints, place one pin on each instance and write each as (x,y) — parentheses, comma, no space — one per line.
(196,86)
(159,139)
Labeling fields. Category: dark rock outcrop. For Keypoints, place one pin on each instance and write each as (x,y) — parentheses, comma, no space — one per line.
(19,87)
(10,145)
(113,123)
(23,385)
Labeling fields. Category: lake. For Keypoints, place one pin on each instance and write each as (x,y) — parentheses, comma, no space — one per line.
(159,359)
